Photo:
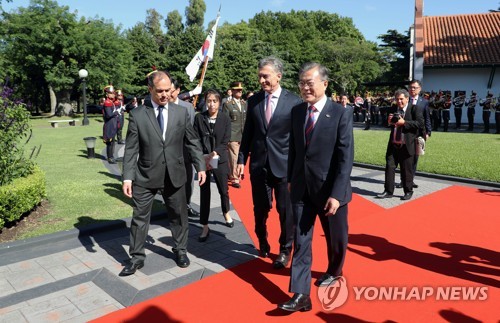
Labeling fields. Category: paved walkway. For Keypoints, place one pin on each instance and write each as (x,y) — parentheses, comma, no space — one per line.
(73,276)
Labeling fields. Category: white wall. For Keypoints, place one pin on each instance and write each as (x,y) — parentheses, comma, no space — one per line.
(468,79)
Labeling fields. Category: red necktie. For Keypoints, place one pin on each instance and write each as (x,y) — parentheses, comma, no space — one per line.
(310,124)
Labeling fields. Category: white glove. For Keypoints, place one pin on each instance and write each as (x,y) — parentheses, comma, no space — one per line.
(197,90)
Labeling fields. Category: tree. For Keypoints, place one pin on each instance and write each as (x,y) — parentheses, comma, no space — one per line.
(173,23)
(153,26)
(195,12)
(397,55)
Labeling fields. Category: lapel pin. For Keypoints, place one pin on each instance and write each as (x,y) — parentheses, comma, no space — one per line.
(328,116)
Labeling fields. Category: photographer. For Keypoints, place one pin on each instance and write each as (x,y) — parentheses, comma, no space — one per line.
(406,121)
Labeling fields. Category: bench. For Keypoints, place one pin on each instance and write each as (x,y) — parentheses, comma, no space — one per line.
(55,123)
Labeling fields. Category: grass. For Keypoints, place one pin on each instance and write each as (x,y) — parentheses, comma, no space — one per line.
(468,155)
(82,191)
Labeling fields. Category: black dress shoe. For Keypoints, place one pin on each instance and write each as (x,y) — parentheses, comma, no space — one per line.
(299,302)
(204,238)
(182,260)
(236,185)
(407,196)
(326,280)
(131,268)
(384,195)
(415,185)
(282,260)
(192,212)
(230,224)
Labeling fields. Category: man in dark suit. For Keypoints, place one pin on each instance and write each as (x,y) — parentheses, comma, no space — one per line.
(406,121)
(174,98)
(416,99)
(265,137)
(153,161)
(319,168)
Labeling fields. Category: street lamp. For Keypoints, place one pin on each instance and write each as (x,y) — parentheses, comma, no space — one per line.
(83,73)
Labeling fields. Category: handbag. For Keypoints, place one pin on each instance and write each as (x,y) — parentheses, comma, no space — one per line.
(420,146)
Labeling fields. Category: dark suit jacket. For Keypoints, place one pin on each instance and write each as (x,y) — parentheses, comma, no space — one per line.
(148,158)
(414,123)
(216,141)
(424,105)
(237,118)
(324,168)
(267,142)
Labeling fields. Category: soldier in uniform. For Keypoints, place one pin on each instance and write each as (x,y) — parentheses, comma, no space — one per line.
(110,115)
(366,109)
(471,110)
(437,106)
(236,109)
(487,105)
(120,107)
(446,111)
(458,102)
(497,114)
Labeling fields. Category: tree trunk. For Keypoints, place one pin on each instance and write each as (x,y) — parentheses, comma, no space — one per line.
(53,101)
(65,106)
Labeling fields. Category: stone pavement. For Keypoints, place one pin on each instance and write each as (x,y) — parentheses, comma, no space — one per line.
(73,275)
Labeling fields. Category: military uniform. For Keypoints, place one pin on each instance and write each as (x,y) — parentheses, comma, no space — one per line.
(497,115)
(236,109)
(458,102)
(471,110)
(487,105)
(110,126)
(446,112)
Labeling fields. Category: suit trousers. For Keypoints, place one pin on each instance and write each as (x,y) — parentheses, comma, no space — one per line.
(220,175)
(335,228)
(175,203)
(233,148)
(394,157)
(189,182)
(263,186)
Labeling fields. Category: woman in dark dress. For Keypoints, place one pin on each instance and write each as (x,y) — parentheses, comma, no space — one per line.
(214,130)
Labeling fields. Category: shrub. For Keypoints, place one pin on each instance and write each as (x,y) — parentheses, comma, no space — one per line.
(14,127)
(21,195)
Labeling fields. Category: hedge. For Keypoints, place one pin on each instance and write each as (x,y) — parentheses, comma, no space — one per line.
(21,196)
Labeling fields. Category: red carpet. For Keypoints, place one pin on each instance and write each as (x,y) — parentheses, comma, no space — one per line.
(445,240)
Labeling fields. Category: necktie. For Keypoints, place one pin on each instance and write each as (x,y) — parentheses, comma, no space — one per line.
(159,117)
(310,124)
(269,109)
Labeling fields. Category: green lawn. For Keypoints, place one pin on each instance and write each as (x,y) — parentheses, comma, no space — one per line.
(468,155)
(82,191)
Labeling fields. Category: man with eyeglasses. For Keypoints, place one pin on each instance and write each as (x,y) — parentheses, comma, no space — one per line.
(265,140)
(320,162)
(422,104)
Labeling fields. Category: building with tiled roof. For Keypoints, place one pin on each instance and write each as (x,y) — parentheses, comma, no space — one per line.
(457,53)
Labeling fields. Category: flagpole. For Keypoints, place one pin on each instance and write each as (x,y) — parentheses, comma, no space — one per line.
(202,78)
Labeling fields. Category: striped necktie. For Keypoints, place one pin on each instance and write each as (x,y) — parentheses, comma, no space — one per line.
(310,124)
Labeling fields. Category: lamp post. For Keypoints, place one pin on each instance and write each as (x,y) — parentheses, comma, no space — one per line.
(83,73)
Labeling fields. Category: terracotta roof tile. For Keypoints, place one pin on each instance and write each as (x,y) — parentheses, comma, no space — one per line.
(472,39)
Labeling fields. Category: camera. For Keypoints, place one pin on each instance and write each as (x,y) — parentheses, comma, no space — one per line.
(395,117)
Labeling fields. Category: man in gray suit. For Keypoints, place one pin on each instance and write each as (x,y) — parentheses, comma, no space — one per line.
(187,159)
(153,161)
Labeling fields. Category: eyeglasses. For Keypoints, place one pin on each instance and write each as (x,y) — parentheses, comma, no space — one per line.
(308,84)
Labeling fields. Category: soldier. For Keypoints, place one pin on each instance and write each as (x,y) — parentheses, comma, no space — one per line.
(471,110)
(446,111)
(110,127)
(497,114)
(120,107)
(458,102)
(236,108)
(366,109)
(487,105)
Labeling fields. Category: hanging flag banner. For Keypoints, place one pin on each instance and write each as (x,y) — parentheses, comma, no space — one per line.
(207,50)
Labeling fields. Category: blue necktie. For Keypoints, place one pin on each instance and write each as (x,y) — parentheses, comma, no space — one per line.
(160,117)
(310,124)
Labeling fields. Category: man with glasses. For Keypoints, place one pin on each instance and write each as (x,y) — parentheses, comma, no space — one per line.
(265,140)
(320,162)
(422,104)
